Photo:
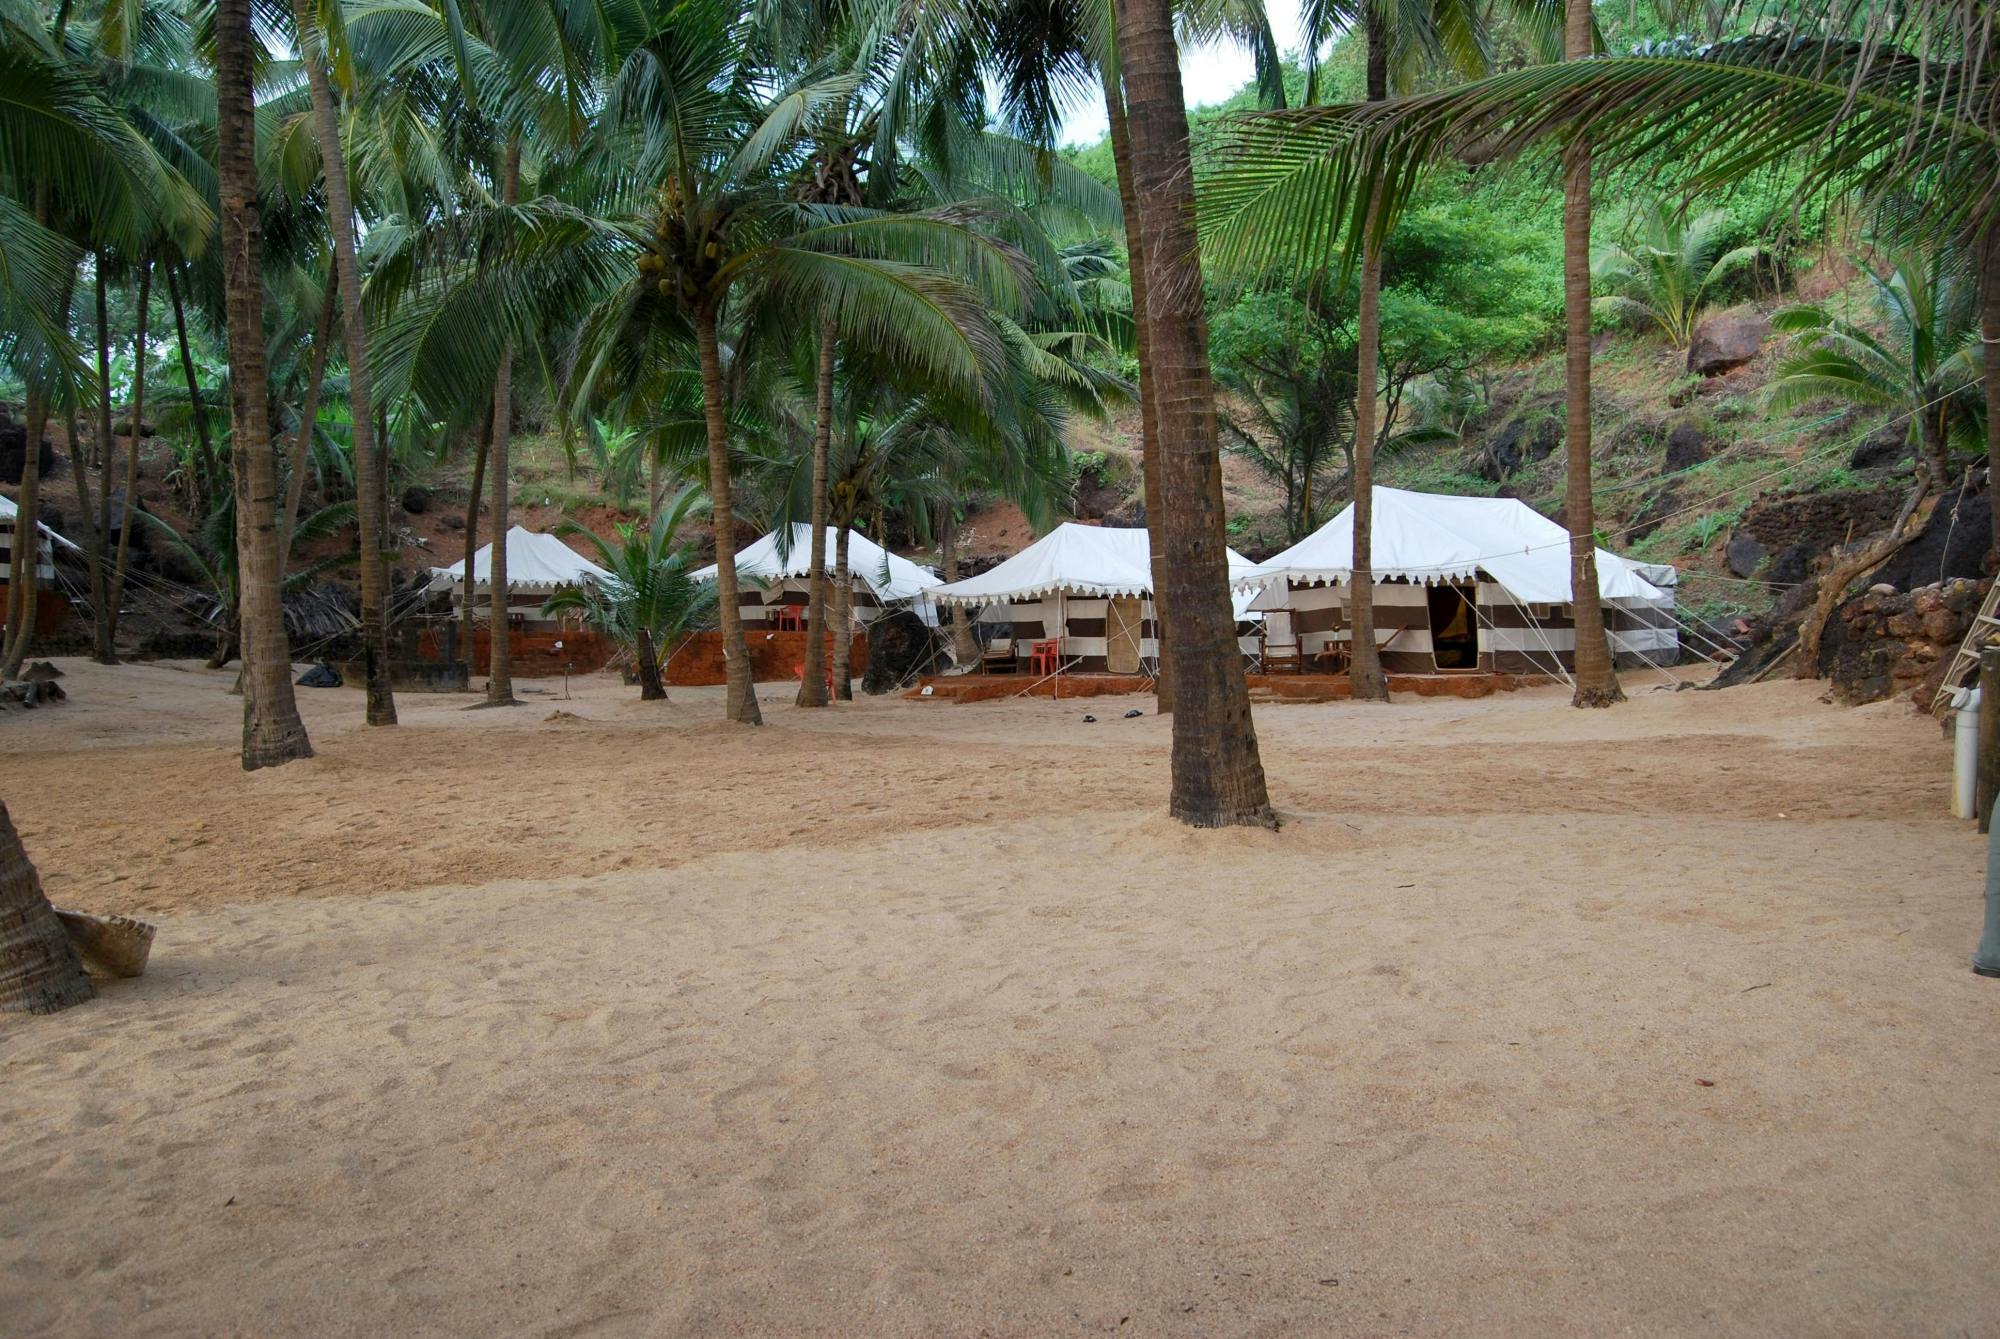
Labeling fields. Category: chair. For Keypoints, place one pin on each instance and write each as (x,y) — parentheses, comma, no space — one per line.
(1280,652)
(1045,656)
(791,618)
(998,657)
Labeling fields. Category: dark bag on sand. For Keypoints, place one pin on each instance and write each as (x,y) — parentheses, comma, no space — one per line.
(321,675)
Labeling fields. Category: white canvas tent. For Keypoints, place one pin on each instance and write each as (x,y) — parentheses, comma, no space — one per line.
(1464,582)
(537,566)
(1089,585)
(767,579)
(45,572)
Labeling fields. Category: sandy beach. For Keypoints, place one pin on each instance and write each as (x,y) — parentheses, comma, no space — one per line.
(910,1018)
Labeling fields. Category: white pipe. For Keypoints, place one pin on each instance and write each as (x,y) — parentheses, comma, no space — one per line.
(1965,753)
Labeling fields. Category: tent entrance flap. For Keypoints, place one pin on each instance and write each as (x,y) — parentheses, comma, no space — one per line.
(1454,632)
(1123,625)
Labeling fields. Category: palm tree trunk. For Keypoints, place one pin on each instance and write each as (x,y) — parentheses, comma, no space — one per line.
(206,465)
(466,603)
(272,730)
(1149,412)
(138,413)
(25,546)
(1596,676)
(1364,668)
(1989,334)
(651,688)
(740,702)
(97,521)
(843,617)
(295,482)
(473,540)
(370,514)
(1218,776)
(39,970)
(812,687)
(964,647)
(500,663)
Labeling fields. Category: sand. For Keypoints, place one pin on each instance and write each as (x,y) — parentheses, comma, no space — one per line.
(917,1019)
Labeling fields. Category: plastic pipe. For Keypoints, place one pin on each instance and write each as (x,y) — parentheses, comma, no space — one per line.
(1965,753)
(1986,959)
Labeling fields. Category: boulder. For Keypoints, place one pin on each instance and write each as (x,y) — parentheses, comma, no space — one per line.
(899,648)
(1886,446)
(1821,520)
(1791,565)
(1954,543)
(453,521)
(1653,513)
(1884,643)
(1726,341)
(14,453)
(416,499)
(1685,448)
(1743,555)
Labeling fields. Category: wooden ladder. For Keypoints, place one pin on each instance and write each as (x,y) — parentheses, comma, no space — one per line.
(1984,631)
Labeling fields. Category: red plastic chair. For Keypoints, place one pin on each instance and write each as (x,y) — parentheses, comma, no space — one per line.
(1045,657)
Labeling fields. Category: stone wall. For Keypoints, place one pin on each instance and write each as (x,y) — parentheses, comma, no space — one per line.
(1888,643)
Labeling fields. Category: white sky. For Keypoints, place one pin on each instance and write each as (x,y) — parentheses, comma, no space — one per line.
(1209,74)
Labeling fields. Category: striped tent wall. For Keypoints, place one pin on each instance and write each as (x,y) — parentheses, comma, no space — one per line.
(1085,629)
(1540,638)
(1402,623)
(45,572)
(759,605)
(1513,638)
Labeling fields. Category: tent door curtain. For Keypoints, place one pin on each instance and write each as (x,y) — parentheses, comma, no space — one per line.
(1124,622)
(1454,632)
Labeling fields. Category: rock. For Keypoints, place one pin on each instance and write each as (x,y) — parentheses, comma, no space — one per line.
(28,695)
(454,522)
(1743,554)
(1685,448)
(123,428)
(1790,566)
(899,648)
(1515,446)
(1889,445)
(416,499)
(1823,520)
(42,672)
(1726,341)
(1882,588)
(1884,644)
(1954,543)
(14,453)
(1653,513)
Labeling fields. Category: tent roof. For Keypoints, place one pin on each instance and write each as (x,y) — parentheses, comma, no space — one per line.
(534,563)
(891,578)
(1073,559)
(8,511)
(1431,537)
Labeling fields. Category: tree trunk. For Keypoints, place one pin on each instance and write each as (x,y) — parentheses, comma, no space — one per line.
(651,687)
(1218,776)
(97,524)
(40,972)
(138,413)
(1364,668)
(272,730)
(1596,677)
(295,482)
(1149,411)
(740,702)
(500,664)
(370,515)
(466,603)
(812,686)
(1833,583)
(25,546)
(843,617)
(964,646)
(1989,334)
(206,466)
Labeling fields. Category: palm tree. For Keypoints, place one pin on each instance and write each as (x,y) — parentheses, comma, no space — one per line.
(1663,275)
(1885,103)
(1923,367)
(381,709)
(40,972)
(272,731)
(649,599)
(1218,776)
